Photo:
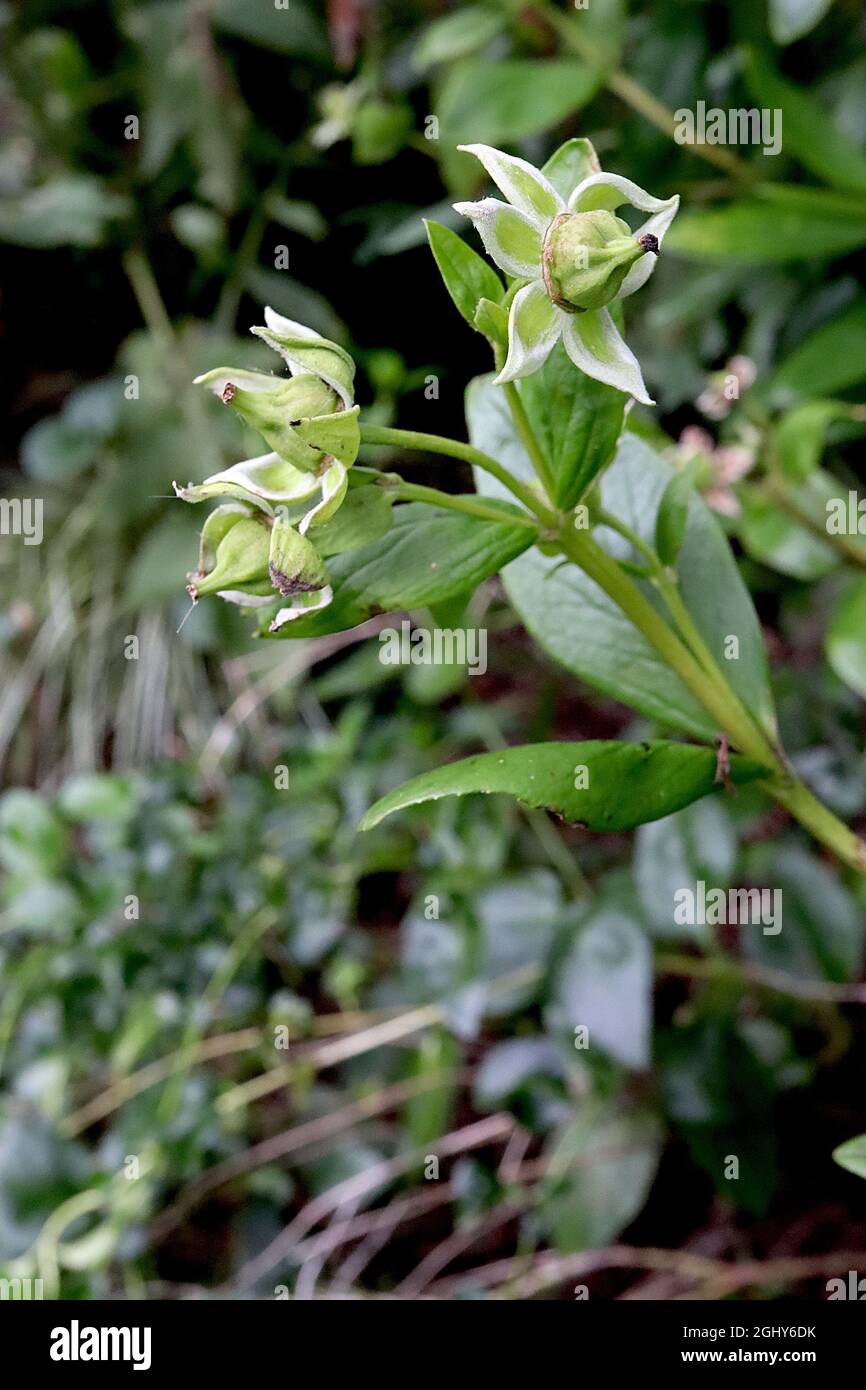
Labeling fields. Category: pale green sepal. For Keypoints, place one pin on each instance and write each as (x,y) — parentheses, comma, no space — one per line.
(334,486)
(294,564)
(301,605)
(337,435)
(217,525)
(305,351)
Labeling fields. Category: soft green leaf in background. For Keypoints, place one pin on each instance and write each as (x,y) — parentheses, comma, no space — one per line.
(807,131)
(779,222)
(457,34)
(846,637)
(497,103)
(599,1171)
(791,19)
(829,360)
(696,844)
(605,983)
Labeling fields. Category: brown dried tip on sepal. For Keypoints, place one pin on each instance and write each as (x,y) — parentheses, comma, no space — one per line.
(649,243)
(292,584)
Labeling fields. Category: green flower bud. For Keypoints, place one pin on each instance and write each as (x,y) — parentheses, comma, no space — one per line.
(276,413)
(294,564)
(587,256)
(241,559)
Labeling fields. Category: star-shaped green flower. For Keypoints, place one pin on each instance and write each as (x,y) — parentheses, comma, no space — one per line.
(575,256)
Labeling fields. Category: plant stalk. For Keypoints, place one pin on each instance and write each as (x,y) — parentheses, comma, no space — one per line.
(717,698)
(452,448)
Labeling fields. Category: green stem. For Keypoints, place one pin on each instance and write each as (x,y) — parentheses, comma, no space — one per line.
(527,435)
(452,448)
(631,92)
(850,548)
(668,588)
(717,698)
(471,506)
(148,297)
(820,822)
(720,702)
(613,523)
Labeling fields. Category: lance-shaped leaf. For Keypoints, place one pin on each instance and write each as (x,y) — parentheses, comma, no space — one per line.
(305,351)
(467,278)
(364,517)
(577,421)
(602,785)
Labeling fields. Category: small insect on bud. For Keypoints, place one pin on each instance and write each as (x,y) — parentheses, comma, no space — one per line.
(587,256)
(241,559)
(294,564)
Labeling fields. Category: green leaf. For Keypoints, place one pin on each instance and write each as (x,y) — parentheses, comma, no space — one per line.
(428,555)
(570,165)
(604,982)
(846,638)
(778,224)
(32,839)
(830,360)
(791,19)
(601,784)
(771,536)
(852,1155)
(598,1172)
(97,796)
(673,517)
(695,844)
(456,35)
(799,435)
(363,517)
(70,210)
(823,934)
(497,103)
(809,132)
(577,421)
(295,29)
(295,215)
(583,629)
(468,278)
